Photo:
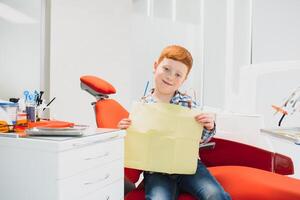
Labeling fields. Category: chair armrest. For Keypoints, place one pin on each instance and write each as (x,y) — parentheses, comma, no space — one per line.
(283,164)
(209,145)
(229,152)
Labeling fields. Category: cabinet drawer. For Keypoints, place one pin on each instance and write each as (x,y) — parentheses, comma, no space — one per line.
(113,191)
(82,158)
(91,180)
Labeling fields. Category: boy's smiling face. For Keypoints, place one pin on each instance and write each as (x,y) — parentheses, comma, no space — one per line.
(169,75)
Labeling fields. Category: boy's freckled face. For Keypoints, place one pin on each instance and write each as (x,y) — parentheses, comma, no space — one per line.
(169,75)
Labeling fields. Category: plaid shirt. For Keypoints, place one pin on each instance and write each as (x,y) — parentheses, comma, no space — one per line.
(185,101)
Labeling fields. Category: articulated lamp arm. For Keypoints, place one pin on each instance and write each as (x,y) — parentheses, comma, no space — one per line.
(290,106)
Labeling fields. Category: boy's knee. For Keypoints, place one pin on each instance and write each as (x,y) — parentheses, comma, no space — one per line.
(160,193)
(213,193)
(218,196)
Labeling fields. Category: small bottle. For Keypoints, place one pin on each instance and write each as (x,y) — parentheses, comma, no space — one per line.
(31,111)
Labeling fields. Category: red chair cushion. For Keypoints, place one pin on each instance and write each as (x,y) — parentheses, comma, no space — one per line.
(246,183)
(283,164)
(98,84)
(109,112)
(228,152)
(132,174)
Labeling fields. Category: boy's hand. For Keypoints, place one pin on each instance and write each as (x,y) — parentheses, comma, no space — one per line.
(206,120)
(124,123)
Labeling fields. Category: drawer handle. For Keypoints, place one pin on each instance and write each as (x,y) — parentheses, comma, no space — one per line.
(98,157)
(98,180)
(95,142)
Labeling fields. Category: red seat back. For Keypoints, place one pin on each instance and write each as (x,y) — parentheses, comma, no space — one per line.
(228,152)
(109,112)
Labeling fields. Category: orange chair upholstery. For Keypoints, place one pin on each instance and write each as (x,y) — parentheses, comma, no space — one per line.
(245,183)
(246,172)
(110,113)
(96,86)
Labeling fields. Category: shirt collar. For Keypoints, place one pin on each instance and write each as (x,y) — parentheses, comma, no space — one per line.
(177,97)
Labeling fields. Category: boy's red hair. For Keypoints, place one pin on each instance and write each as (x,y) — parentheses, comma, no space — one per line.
(178,53)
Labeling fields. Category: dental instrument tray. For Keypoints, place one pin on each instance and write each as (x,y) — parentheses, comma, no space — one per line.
(77,130)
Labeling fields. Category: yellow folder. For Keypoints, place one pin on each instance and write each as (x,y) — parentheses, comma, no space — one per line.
(163,138)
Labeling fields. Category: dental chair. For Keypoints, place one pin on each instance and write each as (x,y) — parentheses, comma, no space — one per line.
(245,172)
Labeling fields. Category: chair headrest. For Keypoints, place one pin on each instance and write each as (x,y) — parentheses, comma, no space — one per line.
(98,85)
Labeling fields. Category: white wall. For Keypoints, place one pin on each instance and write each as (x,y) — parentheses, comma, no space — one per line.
(87,38)
(251,56)
(158,25)
(276,30)
(20,48)
(214,52)
(227,47)
(119,41)
(273,74)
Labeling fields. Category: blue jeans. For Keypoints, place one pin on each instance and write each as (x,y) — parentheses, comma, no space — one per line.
(202,185)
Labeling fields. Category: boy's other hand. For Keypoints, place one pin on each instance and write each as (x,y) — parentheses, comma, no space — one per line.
(207,120)
(124,123)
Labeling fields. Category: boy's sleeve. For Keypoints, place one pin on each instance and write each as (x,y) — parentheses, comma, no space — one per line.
(206,134)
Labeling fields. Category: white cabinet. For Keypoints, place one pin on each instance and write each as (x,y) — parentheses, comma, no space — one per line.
(63,168)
